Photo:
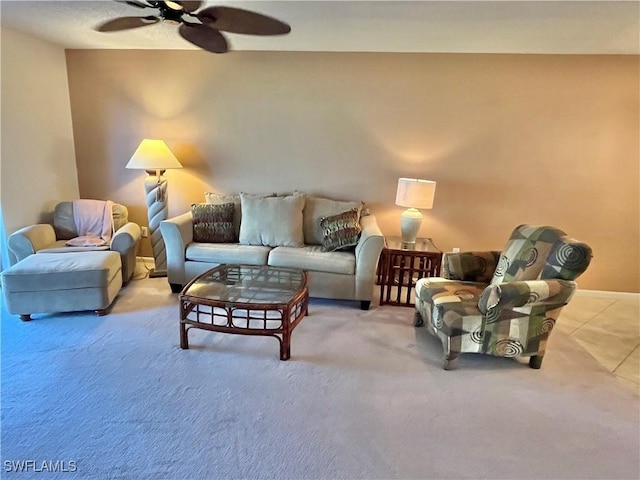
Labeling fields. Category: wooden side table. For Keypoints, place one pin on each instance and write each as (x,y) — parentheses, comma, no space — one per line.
(401,265)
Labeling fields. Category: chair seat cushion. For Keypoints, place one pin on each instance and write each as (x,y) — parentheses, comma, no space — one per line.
(62,271)
(61,247)
(456,304)
(312,257)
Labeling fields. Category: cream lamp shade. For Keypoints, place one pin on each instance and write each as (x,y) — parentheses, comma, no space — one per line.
(414,194)
(155,157)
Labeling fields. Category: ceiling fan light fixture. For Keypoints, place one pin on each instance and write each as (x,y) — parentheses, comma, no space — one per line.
(173,5)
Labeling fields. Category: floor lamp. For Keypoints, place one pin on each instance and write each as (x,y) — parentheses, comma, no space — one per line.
(155,157)
(413,193)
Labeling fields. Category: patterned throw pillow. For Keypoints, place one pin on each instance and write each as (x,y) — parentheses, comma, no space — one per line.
(213,223)
(341,231)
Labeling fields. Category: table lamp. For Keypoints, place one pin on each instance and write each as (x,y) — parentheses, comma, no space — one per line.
(414,194)
(155,157)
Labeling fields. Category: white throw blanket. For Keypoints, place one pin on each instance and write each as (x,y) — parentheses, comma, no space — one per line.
(94,223)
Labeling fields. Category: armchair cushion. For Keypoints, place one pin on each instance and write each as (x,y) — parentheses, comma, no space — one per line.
(470,266)
(541,252)
(64,224)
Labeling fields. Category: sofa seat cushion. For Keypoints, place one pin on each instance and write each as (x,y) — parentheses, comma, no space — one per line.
(227,253)
(312,257)
(62,271)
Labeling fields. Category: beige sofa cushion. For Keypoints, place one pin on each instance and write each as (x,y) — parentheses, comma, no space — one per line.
(272,221)
(316,208)
(312,257)
(227,253)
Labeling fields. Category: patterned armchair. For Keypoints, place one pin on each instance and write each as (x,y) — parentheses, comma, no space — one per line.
(503,303)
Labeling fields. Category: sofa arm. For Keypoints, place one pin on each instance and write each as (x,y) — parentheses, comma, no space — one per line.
(470,266)
(532,293)
(367,252)
(177,233)
(29,240)
(126,238)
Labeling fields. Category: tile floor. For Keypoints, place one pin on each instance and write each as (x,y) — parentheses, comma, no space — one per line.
(608,327)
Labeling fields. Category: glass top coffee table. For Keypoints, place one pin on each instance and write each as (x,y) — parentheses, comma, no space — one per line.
(247,300)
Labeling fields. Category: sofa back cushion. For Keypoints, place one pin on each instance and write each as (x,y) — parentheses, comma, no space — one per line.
(316,208)
(272,221)
(64,224)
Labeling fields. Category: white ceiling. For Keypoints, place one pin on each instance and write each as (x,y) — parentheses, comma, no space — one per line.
(557,27)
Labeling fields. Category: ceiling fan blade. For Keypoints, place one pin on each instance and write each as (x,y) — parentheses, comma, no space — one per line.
(237,20)
(125,23)
(134,3)
(190,6)
(204,37)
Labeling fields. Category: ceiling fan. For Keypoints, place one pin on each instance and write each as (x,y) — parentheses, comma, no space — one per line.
(202,28)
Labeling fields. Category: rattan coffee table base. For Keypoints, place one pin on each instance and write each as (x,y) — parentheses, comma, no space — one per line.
(244,315)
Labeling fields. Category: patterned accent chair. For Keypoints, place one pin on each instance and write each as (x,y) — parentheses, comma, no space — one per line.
(503,303)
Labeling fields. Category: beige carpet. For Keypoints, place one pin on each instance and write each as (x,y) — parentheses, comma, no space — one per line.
(363,397)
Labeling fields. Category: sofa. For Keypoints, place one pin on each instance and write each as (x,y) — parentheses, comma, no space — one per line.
(337,242)
(46,238)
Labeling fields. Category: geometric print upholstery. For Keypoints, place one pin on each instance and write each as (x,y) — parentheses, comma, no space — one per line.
(541,252)
(514,314)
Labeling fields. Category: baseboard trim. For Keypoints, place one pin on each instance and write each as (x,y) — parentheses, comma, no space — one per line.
(580,292)
(607,294)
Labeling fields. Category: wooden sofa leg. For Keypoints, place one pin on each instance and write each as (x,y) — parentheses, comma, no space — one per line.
(365,304)
(536,361)
(25,317)
(175,287)
(418,321)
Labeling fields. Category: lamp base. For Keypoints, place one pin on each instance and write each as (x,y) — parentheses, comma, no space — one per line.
(410,222)
(153,273)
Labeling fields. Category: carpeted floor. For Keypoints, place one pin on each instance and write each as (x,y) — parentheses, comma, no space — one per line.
(363,397)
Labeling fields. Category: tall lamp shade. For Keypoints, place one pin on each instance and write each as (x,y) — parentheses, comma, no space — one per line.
(155,157)
(415,194)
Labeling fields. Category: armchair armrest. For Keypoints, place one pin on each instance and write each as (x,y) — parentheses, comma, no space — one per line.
(29,240)
(126,237)
(177,233)
(125,241)
(470,266)
(367,253)
(532,293)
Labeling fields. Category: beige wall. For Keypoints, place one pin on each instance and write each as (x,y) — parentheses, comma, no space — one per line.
(38,166)
(510,139)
